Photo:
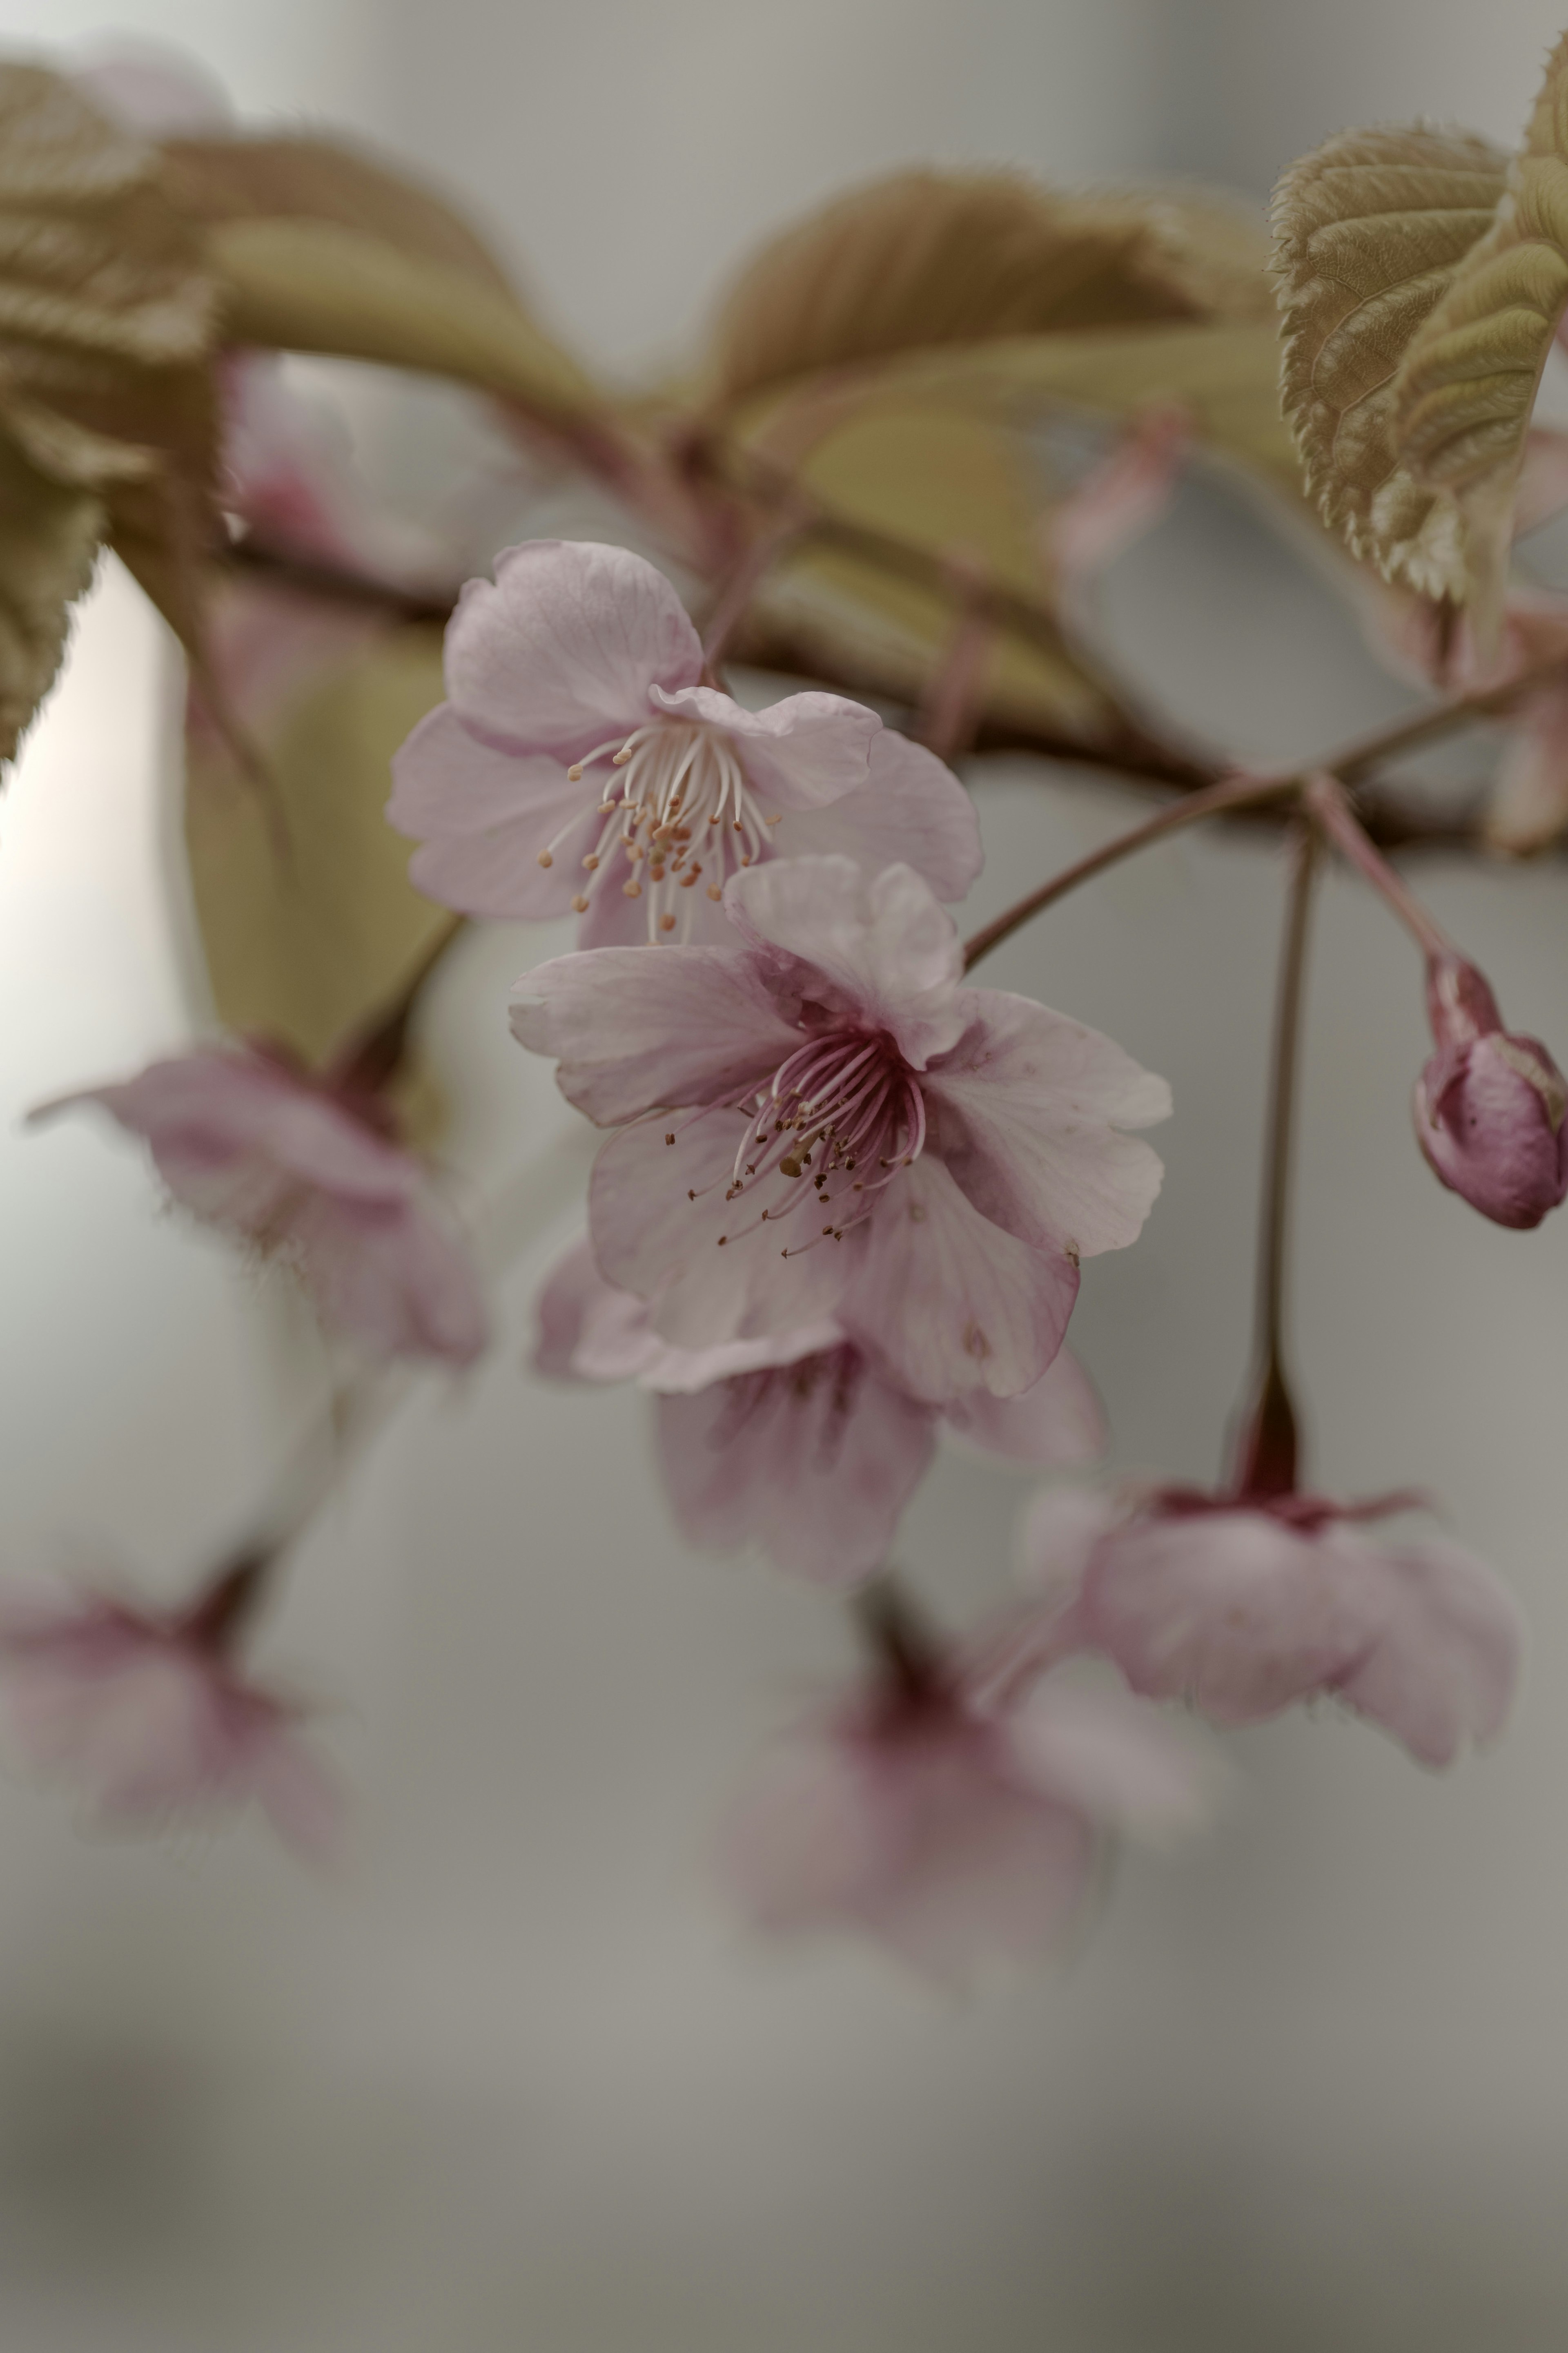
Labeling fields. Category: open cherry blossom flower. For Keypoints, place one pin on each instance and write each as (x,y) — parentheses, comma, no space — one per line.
(581,762)
(254,1144)
(1245,1605)
(148,1713)
(1489,1104)
(845,1131)
(802,1444)
(955,1838)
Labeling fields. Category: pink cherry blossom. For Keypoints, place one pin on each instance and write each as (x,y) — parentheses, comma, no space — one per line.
(1246,1605)
(1489,1105)
(845,1130)
(151,1717)
(252,1143)
(800,1443)
(955,1837)
(581,762)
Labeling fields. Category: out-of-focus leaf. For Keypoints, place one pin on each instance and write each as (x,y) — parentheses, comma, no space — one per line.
(953,487)
(314,286)
(1225,378)
(1370,229)
(1468,379)
(106,323)
(49,535)
(303,946)
(927,258)
(212,180)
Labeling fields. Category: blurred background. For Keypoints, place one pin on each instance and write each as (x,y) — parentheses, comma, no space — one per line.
(517,2085)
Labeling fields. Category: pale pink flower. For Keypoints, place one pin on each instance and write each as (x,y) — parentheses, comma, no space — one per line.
(581,762)
(849,1131)
(1245,1605)
(802,1443)
(153,1719)
(955,1838)
(1489,1105)
(252,1143)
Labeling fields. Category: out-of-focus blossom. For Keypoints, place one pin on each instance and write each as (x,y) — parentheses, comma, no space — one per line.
(1489,1105)
(148,1714)
(1528,807)
(581,762)
(800,1443)
(851,1133)
(254,1144)
(956,1839)
(1246,1605)
(1119,500)
(158,90)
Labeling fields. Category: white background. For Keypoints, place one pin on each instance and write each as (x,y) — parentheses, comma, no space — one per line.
(518,2083)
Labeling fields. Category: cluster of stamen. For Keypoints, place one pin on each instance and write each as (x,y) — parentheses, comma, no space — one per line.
(841,1117)
(680,815)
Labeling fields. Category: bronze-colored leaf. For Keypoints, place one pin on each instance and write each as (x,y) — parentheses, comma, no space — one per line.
(1370,230)
(1469,377)
(212,180)
(928,259)
(313,286)
(303,946)
(49,535)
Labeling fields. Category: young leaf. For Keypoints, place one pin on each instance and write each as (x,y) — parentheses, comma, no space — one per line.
(1370,229)
(50,536)
(1469,378)
(929,259)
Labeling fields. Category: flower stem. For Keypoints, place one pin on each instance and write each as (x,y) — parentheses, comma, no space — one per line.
(728,610)
(895,1630)
(1330,805)
(1268,1446)
(1214,800)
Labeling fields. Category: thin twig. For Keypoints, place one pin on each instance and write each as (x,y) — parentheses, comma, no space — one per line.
(1326,797)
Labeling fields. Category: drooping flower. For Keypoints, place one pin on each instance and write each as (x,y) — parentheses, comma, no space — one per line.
(251,1143)
(802,1443)
(1489,1105)
(153,1718)
(581,762)
(955,1838)
(1246,1605)
(845,1130)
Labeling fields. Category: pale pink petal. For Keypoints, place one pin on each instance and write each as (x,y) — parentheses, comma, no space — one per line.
(630,1031)
(1443,1669)
(587,1330)
(913,810)
(1231,1609)
(800,754)
(1528,806)
(1027,1111)
(950,1302)
(159,90)
(1113,1755)
(651,1238)
(299,1798)
(814,1460)
(563,649)
(391,1279)
(878,951)
(485,817)
(1120,498)
(1058,1422)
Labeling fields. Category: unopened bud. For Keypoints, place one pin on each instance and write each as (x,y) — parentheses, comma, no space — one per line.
(1489,1106)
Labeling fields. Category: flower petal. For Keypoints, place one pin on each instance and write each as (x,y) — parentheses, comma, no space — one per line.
(1443,1670)
(1114,1755)
(912,810)
(392,1279)
(814,1460)
(878,951)
(1025,1111)
(651,1237)
(950,1302)
(1059,1422)
(484,816)
(630,1031)
(800,754)
(564,649)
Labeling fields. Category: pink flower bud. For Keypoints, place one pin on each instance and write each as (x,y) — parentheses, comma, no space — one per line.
(1489,1105)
